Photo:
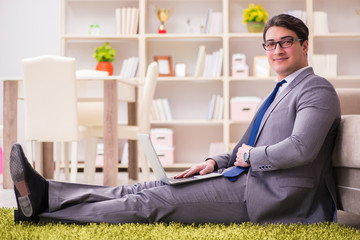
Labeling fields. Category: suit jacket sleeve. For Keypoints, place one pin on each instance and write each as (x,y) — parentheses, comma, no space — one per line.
(314,110)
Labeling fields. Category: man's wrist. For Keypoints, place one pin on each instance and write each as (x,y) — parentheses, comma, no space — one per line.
(212,162)
(247,155)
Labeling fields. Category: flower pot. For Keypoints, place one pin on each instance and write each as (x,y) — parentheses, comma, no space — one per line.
(255,27)
(105,66)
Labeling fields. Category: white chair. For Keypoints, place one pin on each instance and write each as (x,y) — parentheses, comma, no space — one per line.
(89,116)
(51,112)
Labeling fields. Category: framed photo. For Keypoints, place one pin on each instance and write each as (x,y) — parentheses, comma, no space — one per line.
(180,69)
(165,65)
(261,66)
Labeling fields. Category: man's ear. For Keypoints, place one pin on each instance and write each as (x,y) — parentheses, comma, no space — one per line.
(305,46)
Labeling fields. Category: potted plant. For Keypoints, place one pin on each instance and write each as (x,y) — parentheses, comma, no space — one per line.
(104,55)
(255,17)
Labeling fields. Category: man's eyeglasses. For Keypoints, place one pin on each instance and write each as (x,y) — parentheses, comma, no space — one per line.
(285,43)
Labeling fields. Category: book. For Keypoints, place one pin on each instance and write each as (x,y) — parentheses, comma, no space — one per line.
(213,22)
(127,20)
(129,67)
(207,19)
(200,62)
(215,108)
(320,22)
(325,64)
(161,110)
(213,64)
(167,109)
(118,21)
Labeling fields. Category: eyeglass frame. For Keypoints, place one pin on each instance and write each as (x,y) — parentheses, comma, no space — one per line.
(279,42)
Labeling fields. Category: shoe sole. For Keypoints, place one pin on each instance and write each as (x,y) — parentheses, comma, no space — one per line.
(17,172)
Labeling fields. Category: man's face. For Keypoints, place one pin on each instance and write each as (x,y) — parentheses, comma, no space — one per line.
(285,61)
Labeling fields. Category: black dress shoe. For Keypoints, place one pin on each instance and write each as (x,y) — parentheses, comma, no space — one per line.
(31,189)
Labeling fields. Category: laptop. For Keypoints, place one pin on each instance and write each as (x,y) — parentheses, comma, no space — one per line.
(158,169)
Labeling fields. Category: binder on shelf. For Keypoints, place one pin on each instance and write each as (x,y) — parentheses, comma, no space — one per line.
(325,64)
(161,110)
(213,64)
(213,22)
(200,62)
(215,108)
(298,13)
(129,67)
(127,20)
(321,22)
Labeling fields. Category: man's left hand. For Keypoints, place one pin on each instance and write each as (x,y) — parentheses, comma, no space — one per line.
(240,162)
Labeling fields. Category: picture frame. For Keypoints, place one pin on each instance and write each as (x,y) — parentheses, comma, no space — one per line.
(180,69)
(261,67)
(165,65)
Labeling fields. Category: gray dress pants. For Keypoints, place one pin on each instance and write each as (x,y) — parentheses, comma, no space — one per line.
(214,200)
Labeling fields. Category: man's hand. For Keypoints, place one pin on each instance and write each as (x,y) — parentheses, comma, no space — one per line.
(240,162)
(202,168)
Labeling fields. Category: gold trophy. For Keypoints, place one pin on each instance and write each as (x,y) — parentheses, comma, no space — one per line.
(163,15)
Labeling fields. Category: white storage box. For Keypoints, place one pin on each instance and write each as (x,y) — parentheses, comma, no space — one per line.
(240,71)
(243,108)
(166,155)
(162,137)
(238,59)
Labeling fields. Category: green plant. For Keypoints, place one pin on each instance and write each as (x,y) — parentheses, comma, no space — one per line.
(104,53)
(255,13)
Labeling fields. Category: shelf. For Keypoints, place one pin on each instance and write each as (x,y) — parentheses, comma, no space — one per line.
(245,35)
(183,36)
(189,96)
(99,37)
(251,78)
(188,79)
(337,35)
(188,122)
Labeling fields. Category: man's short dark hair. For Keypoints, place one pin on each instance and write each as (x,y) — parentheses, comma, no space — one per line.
(290,22)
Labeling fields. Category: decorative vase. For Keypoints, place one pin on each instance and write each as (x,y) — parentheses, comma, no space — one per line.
(255,27)
(105,66)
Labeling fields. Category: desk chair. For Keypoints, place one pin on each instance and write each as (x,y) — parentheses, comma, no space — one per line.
(90,116)
(51,113)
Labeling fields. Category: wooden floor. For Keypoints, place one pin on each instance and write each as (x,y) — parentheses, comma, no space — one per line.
(7,197)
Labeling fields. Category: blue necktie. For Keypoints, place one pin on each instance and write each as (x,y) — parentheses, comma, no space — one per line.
(235,172)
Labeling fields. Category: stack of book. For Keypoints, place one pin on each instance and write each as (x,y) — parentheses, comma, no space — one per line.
(209,65)
(127,21)
(298,13)
(325,64)
(215,108)
(321,22)
(160,110)
(213,22)
(129,67)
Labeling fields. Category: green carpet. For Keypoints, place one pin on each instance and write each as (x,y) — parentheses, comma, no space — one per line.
(328,231)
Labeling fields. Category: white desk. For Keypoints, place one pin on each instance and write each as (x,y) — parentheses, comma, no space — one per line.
(111,86)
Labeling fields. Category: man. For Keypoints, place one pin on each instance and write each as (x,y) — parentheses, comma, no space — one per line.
(286,150)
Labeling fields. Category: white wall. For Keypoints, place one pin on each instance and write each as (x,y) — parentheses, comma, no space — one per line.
(28,28)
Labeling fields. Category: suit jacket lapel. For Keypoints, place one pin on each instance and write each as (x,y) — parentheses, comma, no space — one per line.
(282,95)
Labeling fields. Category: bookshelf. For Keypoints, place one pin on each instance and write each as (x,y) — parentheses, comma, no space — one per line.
(189,96)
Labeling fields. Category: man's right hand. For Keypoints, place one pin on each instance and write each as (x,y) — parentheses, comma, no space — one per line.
(203,168)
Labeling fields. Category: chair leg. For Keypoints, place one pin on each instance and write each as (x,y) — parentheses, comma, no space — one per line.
(65,157)
(34,155)
(90,160)
(145,169)
(57,159)
(74,162)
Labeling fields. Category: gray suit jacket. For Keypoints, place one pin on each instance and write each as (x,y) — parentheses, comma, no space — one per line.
(290,179)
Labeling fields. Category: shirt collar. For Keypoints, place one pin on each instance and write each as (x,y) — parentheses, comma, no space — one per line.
(290,78)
